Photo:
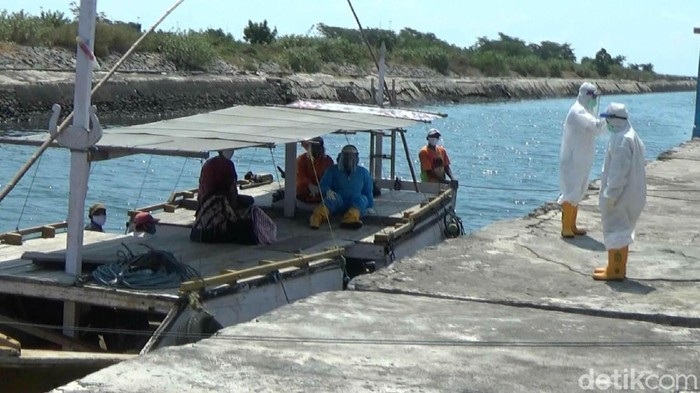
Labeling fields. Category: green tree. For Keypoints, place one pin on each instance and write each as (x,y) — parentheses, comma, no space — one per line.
(259,33)
(547,50)
(505,45)
(602,62)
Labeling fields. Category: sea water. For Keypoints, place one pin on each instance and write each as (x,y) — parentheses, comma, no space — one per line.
(505,156)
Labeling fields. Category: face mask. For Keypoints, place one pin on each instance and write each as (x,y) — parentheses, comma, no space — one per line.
(99,220)
(433,141)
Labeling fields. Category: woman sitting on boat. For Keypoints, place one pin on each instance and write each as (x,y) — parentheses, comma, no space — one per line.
(224,216)
(218,176)
(347,188)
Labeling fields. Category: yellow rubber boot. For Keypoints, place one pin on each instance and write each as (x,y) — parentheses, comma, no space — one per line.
(625,251)
(351,219)
(617,266)
(574,229)
(319,214)
(567,220)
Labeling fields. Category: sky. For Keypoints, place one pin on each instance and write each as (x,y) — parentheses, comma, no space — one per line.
(644,31)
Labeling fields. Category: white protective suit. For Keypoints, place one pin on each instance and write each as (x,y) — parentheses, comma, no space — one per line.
(578,145)
(623,188)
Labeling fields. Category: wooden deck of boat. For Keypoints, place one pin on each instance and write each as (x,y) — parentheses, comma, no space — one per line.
(23,264)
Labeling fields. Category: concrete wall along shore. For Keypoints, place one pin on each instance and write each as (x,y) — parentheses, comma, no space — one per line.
(26,96)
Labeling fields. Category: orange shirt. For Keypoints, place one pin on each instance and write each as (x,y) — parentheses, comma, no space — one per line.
(308,173)
(431,159)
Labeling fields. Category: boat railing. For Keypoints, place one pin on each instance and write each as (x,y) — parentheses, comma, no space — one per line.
(412,218)
(232,276)
(48,231)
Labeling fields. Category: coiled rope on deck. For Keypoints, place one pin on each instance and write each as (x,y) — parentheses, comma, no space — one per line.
(154,269)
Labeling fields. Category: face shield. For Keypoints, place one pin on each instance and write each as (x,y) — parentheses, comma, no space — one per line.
(348,159)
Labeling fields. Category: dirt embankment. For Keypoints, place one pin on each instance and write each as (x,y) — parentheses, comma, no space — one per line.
(33,79)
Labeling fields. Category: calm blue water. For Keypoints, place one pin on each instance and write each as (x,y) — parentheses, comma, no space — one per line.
(505,156)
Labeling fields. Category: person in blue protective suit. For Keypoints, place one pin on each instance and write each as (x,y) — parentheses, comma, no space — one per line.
(623,191)
(347,188)
(576,156)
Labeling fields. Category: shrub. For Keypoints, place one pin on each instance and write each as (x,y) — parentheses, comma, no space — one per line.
(490,63)
(188,51)
(437,59)
(111,37)
(304,60)
(585,70)
(528,66)
(341,51)
(557,67)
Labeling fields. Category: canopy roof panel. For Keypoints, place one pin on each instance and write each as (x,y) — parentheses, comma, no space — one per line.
(244,126)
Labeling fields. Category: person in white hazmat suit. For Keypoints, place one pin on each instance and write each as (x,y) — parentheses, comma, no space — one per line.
(623,191)
(576,156)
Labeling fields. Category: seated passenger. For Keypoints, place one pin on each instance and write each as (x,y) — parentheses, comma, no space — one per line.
(347,188)
(311,166)
(98,217)
(223,215)
(144,223)
(218,177)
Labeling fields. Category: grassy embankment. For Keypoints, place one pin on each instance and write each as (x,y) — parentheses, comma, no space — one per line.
(328,51)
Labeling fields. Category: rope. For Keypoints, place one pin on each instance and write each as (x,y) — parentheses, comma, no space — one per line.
(179,176)
(143,182)
(155,269)
(18,176)
(26,199)
(275,276)
(274,166)
(252,158)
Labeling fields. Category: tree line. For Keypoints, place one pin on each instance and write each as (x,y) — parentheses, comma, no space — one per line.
(326,48)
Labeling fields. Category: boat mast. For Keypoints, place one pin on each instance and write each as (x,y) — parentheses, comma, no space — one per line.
(80,167)
(79,138)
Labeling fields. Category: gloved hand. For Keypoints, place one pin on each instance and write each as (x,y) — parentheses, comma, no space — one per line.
(313,190)
(609,204)
(371,211)
(331,195)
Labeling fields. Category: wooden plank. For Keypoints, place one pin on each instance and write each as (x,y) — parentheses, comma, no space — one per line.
(13,238)
(9,344)
(89,294)
(48,232)
(48,335)
(48,358)
(233,276)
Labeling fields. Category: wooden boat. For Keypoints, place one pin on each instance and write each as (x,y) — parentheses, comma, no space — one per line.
(49,295)
(237,282)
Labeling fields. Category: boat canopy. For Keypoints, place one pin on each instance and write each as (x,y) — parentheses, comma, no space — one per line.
(243,126)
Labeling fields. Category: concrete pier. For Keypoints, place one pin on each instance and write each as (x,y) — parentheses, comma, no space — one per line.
(512,308)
